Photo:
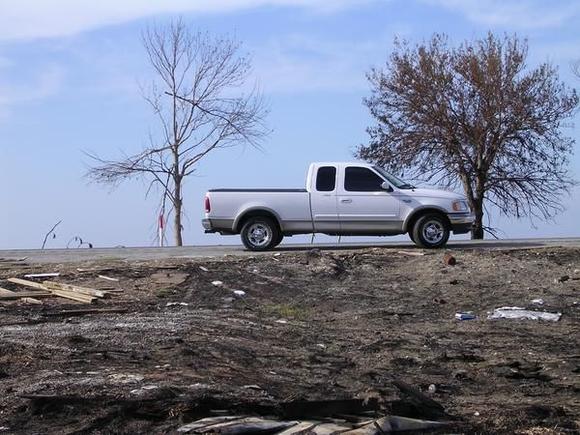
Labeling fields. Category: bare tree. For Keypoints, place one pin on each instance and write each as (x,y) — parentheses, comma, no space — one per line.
(200,105)
(476,116)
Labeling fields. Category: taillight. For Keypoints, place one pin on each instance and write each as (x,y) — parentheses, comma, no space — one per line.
(207,205)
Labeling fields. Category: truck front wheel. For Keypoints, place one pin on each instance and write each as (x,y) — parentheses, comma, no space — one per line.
(431,231)
(260,234)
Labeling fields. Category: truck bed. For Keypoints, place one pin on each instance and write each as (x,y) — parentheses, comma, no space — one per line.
(290,206)
(261,190)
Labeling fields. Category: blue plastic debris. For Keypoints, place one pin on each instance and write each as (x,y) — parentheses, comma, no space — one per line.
(465,315)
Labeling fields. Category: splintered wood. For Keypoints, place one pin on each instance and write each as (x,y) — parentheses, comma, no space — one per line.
(51,289)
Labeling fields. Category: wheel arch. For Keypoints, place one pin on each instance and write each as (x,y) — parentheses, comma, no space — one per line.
(256,212)
(417,214)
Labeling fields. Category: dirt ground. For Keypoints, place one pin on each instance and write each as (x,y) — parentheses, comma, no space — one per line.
(176,345)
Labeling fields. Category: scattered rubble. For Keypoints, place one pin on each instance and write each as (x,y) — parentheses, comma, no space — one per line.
(449,260)
(362,426)
(50,289)
(329,340)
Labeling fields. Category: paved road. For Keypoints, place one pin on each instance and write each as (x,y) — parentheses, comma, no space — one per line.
(73,255)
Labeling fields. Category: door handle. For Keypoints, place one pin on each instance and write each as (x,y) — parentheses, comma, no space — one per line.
(346,201)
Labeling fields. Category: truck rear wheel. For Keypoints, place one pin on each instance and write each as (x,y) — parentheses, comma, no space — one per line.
(431,231)
(260,234)
(279,239)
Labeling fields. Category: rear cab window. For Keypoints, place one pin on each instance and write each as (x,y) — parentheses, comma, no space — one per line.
(359,179)
(326,179)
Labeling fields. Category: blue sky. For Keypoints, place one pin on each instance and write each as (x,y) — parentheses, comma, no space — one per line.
(70,74)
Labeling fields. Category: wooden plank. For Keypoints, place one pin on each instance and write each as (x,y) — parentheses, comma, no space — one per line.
(61,293)
(204,422)
(25,294)
(328,429)
(73,296)
(32,301)
(247,425)
(300,428)
(12,260)
(28,300)
(74,289)
(4,291)
(27,283)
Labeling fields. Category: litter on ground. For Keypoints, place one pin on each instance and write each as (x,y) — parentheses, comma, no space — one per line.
(522,313)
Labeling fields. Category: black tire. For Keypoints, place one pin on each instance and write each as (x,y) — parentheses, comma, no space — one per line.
(260,234)
(431,231)
(279,240)
(411,236)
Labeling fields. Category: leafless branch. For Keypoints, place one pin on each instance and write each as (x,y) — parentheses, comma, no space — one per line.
(199,106)
(50,233)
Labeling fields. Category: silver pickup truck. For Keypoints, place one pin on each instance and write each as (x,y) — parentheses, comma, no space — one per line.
(340,199)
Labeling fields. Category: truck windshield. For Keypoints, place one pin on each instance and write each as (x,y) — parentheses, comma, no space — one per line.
(397,182)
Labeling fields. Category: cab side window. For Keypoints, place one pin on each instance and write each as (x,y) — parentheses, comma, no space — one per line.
(326,179)
(357,179)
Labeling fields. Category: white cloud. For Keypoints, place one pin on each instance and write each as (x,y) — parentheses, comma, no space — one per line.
(29,19)
(526,14)
(42,85)
(304,63)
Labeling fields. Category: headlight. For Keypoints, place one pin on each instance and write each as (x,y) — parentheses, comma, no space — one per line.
(460,206)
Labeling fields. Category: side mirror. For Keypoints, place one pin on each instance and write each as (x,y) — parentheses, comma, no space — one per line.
(386,186)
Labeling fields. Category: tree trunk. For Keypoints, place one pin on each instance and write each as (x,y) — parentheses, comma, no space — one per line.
(177,224)
(477,231)
(177,205)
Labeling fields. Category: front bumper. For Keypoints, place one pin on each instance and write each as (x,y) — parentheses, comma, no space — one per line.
(461,223)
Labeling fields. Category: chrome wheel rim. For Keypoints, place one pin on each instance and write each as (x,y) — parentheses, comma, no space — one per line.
(433,231)
(259,234)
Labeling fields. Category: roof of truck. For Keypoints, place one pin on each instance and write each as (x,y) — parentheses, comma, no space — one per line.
(343,163)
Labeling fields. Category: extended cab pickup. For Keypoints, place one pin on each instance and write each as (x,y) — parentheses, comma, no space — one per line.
(339,199)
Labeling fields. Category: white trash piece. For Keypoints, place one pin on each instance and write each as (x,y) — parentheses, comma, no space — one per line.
(522,313)
(217,283)
(239,293)
(538,301)
(143,389)
(171,304)
(42,275)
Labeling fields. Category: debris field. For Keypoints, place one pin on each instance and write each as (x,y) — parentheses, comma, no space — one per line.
(367,341)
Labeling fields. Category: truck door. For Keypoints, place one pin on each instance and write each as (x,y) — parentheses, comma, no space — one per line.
(364,206)
(323,200)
